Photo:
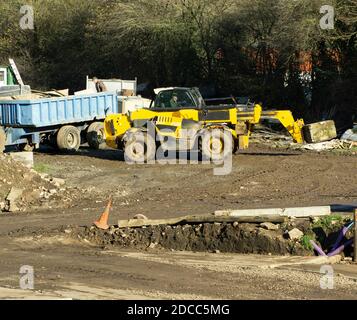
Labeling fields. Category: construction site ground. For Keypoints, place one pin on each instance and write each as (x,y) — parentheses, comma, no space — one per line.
(262,177)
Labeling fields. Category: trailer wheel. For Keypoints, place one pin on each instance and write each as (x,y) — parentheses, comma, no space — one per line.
(139,147)
(2,139)
(216,144)
(68,138)
(96,135)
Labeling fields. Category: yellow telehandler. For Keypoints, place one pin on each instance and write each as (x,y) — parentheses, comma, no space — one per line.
(179,118)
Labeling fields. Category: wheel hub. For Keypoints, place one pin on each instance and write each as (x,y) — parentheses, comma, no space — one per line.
(138,149)
(216,146)
(71,140)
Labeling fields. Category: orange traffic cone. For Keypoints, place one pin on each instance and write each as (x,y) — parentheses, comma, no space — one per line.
(102,223)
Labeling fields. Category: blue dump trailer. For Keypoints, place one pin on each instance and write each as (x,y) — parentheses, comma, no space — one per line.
(64,122)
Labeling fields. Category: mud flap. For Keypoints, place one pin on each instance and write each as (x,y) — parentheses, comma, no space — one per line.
(320,131)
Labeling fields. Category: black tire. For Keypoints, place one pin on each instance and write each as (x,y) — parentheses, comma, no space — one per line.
(96,135)
(216,144)
(68,139)
(2,140)
(139,148)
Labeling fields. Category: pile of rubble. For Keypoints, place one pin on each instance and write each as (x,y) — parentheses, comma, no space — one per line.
(329,235)
(275,139)
(22,188)
(272,138)
(206,237)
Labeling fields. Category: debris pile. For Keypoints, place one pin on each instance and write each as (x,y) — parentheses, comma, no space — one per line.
(292,236)
(335,144)
(272,138)
(276,139)
(206,237)
(350,135)
(22,188)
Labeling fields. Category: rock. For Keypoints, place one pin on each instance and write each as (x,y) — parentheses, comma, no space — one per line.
(320,131)
(140,217)
(152,245)
(295,234)
(43,176)
(26,158)
(28,176)
(235,224)
(315,219)
(269,226)
(58,182)
(13,196)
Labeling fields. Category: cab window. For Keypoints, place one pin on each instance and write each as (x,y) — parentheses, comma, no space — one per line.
(171,99)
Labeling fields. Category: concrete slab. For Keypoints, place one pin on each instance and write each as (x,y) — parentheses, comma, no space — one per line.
(299,212)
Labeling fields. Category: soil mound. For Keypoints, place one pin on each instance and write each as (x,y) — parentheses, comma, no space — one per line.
(22,188)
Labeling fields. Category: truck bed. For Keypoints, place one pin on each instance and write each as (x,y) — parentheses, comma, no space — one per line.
(40,113)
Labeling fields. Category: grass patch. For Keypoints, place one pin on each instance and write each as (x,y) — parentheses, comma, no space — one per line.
(305,242)
(328,222)
(344,151)
(42,168)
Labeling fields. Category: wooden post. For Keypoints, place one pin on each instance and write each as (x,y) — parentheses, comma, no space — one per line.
(355,242)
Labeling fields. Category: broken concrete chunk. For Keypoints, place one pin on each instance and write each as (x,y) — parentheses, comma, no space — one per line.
(13,196)
(58,182)
(269,226)
(320,131)
(44,176)
(152,245)
(26,158)
(295,234)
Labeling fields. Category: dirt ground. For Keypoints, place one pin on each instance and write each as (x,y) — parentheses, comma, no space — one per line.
(261,177)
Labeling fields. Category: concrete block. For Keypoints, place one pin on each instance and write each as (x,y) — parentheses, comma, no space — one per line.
(320,131)
(12,197)
(295,234)
(26,158)
(269,226)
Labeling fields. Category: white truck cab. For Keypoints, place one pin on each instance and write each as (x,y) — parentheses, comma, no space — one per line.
(3,77)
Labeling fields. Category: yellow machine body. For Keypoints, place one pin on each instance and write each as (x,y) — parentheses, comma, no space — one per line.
(172,122)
